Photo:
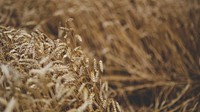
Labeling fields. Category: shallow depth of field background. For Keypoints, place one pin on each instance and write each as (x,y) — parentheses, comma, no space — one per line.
(150,48)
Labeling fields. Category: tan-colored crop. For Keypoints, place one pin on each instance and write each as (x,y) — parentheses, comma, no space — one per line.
(41,74)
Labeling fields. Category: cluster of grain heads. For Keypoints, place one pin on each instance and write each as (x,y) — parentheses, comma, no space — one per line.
(41,74)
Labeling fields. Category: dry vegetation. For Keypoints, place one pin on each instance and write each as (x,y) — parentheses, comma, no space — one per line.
(150,50)
(40,74)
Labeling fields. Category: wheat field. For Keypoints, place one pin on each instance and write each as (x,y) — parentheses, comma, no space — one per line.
(100,55)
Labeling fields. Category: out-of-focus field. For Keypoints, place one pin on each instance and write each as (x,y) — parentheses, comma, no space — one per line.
(150,49)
